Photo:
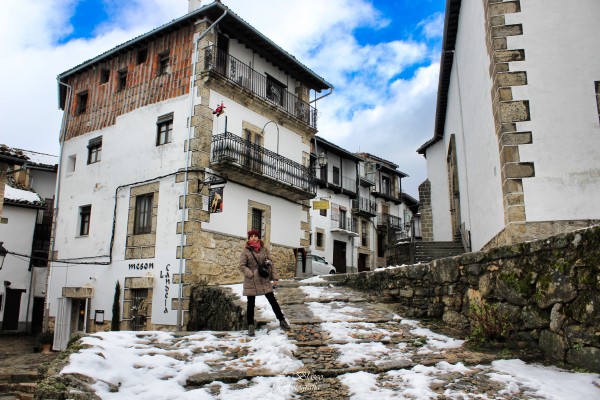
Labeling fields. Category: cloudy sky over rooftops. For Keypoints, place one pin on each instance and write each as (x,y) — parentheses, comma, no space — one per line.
(382,56)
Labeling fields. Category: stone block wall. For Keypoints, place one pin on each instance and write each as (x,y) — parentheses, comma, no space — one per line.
(550,289)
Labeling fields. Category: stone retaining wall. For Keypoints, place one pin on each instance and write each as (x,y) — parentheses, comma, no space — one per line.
(549,289)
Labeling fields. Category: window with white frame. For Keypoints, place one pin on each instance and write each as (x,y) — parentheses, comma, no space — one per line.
(164,129)
(95,150)
(143,214)
(85,213)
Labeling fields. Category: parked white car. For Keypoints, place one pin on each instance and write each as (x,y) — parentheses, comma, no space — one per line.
(320,266)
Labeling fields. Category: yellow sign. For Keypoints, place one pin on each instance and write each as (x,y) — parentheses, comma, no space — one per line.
(321,204)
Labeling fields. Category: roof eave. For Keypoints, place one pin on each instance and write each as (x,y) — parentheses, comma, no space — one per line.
(212,11)
(446,62)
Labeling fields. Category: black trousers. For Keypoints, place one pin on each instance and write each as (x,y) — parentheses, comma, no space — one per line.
(272,302)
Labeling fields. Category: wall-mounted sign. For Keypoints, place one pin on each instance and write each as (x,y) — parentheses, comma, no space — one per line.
(215,200)
(320,204)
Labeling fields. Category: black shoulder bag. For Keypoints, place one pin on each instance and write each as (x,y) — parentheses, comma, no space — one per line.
(263,270)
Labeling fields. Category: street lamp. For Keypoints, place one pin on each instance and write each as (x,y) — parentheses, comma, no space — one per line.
(322,159)
(3,253)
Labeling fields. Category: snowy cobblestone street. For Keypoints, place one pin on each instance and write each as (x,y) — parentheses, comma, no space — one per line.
(340,347)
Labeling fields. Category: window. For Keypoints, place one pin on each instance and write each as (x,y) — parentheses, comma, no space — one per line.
(343,219)
(275,90)
(142,56)
(164,129)
(82,99)
(122,80)
(336,176)
(104,75)
(139,309)
(385,185)
(143,214)
(597,85)
(84,220)
(364,236)
(319,239)
(95,150)
(71,161)
(163,63)
(257,220)
(381,244)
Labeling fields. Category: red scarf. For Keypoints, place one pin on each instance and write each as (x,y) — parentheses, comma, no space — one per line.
(255,246)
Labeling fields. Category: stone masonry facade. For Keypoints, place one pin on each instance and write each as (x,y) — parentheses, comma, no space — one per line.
(425,211)
(507,112)
(548,291)
(210,257)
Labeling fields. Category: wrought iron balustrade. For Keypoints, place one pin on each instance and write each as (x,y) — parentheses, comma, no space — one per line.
(389,220)
(232,149)
(347,224)
(221,62)
(364,205)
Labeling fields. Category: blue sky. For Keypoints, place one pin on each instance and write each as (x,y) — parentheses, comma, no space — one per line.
(382,56)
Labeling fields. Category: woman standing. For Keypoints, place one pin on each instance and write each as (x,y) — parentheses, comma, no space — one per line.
(254,255)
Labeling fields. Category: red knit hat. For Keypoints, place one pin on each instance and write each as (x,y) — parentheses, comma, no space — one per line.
(253,232)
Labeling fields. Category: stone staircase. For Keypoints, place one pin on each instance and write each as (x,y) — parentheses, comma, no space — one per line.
(20,368)
(428,251)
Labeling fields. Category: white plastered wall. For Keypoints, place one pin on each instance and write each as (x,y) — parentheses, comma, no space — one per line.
(469,117)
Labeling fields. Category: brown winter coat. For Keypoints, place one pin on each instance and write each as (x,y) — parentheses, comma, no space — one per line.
(254,284)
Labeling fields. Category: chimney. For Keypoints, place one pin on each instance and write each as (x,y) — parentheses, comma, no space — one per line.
(193,5)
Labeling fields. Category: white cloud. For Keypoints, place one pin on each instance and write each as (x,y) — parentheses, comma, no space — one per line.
(433,27)
(377,106)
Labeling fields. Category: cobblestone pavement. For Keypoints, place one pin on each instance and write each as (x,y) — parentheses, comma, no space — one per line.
(339,337)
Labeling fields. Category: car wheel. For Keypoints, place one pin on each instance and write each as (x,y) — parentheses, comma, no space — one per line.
(332,272)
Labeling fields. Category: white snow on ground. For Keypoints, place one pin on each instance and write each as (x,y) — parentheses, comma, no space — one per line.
(155,365)
(402,384)
(314,279)
(522,381)
(334,311)
(435,342)
(146,369)
(546,382)
(319,292)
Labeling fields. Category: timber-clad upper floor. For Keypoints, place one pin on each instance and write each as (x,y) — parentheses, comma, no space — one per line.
(157,66)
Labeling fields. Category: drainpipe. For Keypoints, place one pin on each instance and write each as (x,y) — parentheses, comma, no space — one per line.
(325,95)
(63,134)
(187,166)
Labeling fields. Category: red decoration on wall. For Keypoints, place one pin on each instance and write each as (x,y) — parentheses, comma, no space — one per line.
(219,110)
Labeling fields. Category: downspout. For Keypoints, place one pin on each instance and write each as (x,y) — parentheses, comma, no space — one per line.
(187,164)
(325,95)
(56,198)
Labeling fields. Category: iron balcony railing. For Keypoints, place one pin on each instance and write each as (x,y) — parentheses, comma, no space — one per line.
(347,224)
(230,148)
(364,205)
(389,220)
(219,61)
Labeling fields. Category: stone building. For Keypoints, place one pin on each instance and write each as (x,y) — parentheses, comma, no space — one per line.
(514,152)
(27,191)
(175,144)
(360,212)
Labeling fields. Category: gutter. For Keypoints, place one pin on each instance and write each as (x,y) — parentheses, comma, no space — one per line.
(63,134)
